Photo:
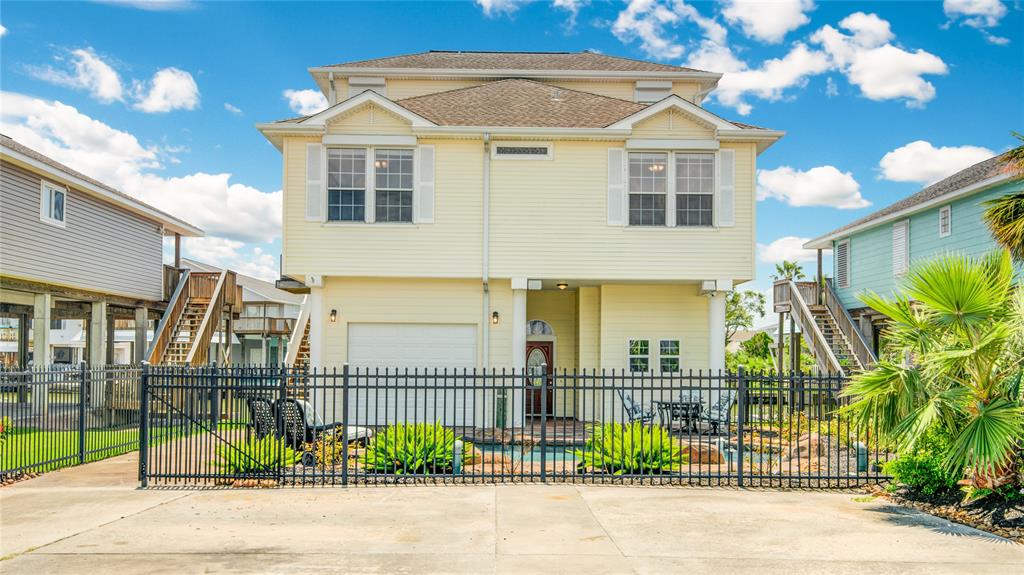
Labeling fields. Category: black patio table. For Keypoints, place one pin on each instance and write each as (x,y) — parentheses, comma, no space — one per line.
(685,411)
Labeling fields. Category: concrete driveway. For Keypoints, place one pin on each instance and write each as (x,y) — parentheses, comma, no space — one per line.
(91,519)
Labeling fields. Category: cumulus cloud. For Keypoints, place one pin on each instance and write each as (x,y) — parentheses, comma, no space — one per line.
(868,59)
(767,21)
(573,7)
(84,70)
(494,8)
(3,30)
(820,186)
(922,162)
(233,109)
(233,255)
(978,14)
(305,102)
(649,22)
(169,89)
(211,201)
(788,248)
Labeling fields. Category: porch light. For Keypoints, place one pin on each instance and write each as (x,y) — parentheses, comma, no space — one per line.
(495,318)
(562,285)
(334,315)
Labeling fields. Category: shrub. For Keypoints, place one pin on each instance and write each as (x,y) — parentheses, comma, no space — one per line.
(922,469)
(411,448)
(255,456)
(631,449)
(6,428)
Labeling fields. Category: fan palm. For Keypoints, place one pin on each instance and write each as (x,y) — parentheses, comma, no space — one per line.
(1005,215)
(953,363)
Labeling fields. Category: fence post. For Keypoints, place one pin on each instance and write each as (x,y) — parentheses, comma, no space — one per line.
(82,383)
(544,422)
(344,425)
(283,396)
(144,424)
(741,416)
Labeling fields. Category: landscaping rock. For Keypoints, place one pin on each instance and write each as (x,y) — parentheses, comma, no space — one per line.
(702,453)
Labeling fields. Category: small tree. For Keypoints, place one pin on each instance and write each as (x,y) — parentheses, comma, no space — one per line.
(788,271)
(742,309)
(1005,215)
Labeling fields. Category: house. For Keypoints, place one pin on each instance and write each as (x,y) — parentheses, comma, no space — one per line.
(61,230)
(876,251)
(517,209)
(266,319)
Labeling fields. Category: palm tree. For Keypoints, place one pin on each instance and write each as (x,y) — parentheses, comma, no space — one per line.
(953,364)
(788,271)
(1005,215)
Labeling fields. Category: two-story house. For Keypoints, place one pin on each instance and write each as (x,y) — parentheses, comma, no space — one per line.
(876,251)
(478,209)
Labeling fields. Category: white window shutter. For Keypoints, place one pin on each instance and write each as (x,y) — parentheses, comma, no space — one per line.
(842,260)
(425,185)
(314,183)
(616,186)
(726,195)
(900,247)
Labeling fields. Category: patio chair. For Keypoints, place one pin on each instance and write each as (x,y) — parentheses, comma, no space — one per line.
(300,427)
(635,411)
(261,416)
(716,416)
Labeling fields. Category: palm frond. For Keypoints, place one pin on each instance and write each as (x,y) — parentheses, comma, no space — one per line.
(988,440)
(1005,219)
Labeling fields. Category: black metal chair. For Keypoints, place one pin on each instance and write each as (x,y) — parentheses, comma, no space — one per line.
(298,429)
(262,417)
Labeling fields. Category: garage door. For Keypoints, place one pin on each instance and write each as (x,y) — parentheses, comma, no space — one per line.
(425,347)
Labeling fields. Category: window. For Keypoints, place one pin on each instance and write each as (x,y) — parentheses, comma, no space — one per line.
(346,185)
(900,247)
(647,188)
(521,151)
(639,355)
(843,263)
(52,200)
(669,357)
(56,324)
(945,221)
(393,185)
(695,189)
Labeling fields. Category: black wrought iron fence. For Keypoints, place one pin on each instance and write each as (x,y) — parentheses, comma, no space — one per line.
(284,426)
(61,415)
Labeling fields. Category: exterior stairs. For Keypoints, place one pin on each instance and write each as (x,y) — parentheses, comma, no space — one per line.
(185,332)
(302,358)
(835,339)
(195,312)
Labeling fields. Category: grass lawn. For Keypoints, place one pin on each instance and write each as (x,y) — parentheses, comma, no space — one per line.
(37,451)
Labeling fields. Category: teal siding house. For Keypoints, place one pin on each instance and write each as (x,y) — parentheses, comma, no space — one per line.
(876,251)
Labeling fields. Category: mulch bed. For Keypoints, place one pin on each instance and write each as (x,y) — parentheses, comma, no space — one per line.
(991,514)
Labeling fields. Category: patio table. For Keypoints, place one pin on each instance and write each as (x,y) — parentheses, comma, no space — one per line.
(685,411)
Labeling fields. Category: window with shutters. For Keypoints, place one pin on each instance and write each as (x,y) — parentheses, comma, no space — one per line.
(900,247)
(842,256)
(945,221)
(695,189)
(393,185)
(371,184)
(346,184)
(671,188)
(648,184)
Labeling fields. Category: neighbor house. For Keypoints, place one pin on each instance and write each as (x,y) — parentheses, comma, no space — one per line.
(478,209)
(78,259)
(876,251)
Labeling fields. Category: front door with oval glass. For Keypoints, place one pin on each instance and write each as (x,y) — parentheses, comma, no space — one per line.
(539,394)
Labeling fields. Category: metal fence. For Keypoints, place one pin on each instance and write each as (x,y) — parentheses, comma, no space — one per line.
(282,426)
(61,415)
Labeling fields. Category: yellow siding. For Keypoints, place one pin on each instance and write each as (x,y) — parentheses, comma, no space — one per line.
(671,124)
(549,221)
(686,90)
(369,119)
(450,247)
(399,89)
(653,312)
(620,90)
(589,322)
(558,308)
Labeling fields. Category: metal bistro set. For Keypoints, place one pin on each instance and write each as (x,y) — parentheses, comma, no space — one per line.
(689,412)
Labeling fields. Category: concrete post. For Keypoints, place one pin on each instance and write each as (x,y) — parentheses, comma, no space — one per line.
(780,345)
(317,318)
(716,330)
(41,353)
(97,341)
(141,333)
(519,287)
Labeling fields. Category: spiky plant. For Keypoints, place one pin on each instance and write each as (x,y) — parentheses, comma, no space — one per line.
(631,449)
(411,448)
(1005,215)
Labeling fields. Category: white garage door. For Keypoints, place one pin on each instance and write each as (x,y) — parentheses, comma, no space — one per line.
(423,347)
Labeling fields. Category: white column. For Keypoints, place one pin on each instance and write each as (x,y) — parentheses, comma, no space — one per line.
(141,333)
(716,330)
(317,318)
(519,286)
(41,353)
(97,342)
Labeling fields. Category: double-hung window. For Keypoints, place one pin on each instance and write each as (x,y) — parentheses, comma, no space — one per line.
(639,355)
(393,185)
(695,189)
(674,189)
(648,180)
(52,201)
(668,357)
(346,184)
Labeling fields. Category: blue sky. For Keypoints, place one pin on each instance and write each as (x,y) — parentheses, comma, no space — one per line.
(877,99)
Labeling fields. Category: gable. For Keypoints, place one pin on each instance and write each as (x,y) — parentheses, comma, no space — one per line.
(368,118)
(672,123)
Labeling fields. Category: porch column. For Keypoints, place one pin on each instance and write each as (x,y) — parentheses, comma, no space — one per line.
(821,282)
(97,341)
(141,333)
(780,344)
(23,319)
(317,318)
(716,330)
(519,287)
(177,251)
(41,354)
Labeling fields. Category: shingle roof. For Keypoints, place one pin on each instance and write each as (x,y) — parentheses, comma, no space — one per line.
(977,173)
(548,61)
(520,103)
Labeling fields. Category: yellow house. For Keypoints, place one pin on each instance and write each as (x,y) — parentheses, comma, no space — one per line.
(507,210)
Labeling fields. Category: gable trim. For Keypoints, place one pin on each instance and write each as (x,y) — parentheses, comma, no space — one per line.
(676,103)
(369,96)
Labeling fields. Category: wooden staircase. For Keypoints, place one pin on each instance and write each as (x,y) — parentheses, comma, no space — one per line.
(835,339)
(297,357)
(195,312)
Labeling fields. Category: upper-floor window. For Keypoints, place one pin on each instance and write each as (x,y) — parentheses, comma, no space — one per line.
(393,188)
(346,184)
(350,177)
(52,201)
(671,189)
(945,221)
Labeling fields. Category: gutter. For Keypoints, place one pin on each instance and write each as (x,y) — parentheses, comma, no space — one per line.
(486,255)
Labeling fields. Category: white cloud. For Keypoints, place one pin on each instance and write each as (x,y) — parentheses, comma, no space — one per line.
(788,248)
(978,14)
(234,255)
(87,71)
(210,201)
(3,30)
(820,186)
(305,102)
(648,21)
(233,109)
(170,89)
(767,21)
(573,7)
(831,90)
(494,8)
(880,69)
(922,162)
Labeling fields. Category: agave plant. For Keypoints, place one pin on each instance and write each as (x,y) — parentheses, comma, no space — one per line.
(953,364)
(411,448)
(631,449)
(255,456)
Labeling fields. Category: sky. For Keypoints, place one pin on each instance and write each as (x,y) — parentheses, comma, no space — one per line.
(159,98)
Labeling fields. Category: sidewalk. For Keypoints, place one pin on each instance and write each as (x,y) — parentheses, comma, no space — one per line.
(92,519)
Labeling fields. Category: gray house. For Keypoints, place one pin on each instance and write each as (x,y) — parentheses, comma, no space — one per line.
(72,248)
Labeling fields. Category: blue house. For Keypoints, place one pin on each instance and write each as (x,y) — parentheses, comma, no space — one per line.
(876,251)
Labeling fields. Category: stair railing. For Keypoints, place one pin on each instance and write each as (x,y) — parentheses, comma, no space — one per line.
(200,351)
(165,328)
(298,332)
(854,337)
(812,333)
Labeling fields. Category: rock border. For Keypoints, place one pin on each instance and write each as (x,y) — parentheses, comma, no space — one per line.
(952,513)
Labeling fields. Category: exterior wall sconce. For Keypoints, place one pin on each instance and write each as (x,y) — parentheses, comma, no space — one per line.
(562,285)
(495,318)
(334,315)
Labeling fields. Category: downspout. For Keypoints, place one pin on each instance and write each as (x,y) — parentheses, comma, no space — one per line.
(486,249)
